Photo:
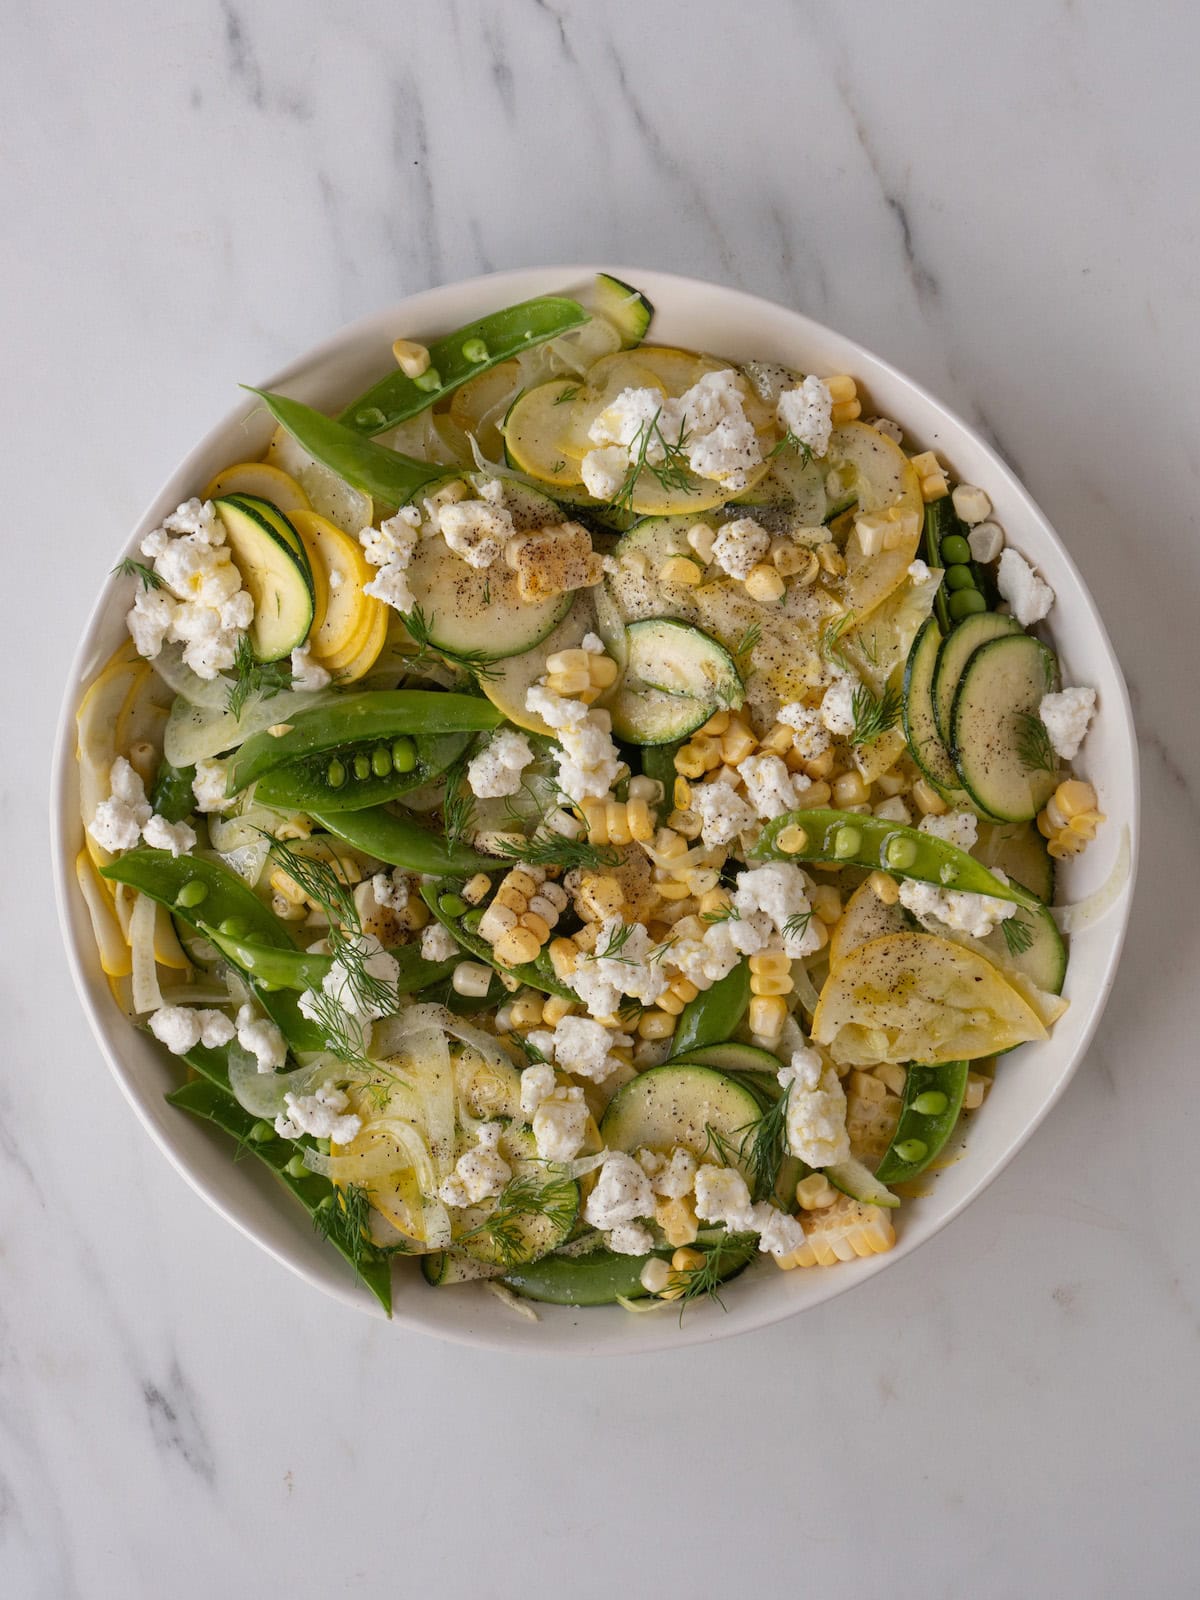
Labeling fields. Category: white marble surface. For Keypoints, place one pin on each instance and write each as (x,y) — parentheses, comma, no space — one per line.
(1001,201)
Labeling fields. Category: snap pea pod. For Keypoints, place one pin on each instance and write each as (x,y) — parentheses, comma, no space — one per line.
(538,974)
(598,1278)
(172,795)
(207,1101)
(353,777)
(966,588)
(658,762)
(298,969)
(199,892)
(933,1097)
(712,1017)
(379,714)
(401,841)
(858,840)
(384,474)
(462,355)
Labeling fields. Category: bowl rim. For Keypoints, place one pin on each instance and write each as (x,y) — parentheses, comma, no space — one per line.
(568,1338)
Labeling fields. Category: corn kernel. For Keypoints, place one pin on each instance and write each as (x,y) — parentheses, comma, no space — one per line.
(602,895)
(287,910)
(925,464)
(764,584)
(815,1192)
(616,823)
(770,984)
(826,903)
(845,411)
(702,880)
(677,1219)
(555,1008)
(927,798)
(976,1092)
(681,793)
(794,560)
(767,1014)
(673,891)
(892,1076)
(689,761)
(679,569)
(411,358)
(686,823)
(1074,797)
(716,725)
(884,887)
(772,962)
(603,671)
(656,1025)
(475,890)
(702,538)
(685,989)
(831,560)
(792,839)
(538,926)
(520,880)
(568,661)
(714,902)
(564,957)
(779,740)
(639,821)
(571,685)
(516,947)
(527,1011)
(655,1275)
(891,783)
(511,899)
(687,1260)
(850,790)
(708,747)
(817,794)
(737,742)
(866,1087)
(668,844)
(841,388)
(670,1003)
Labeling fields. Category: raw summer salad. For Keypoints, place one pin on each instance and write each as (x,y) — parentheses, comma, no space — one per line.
(585,815)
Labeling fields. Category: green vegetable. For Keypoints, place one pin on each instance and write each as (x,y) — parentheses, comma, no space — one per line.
(933,1097)
(966,587)
(163,877)
(354,719)
(537,974)
(596,1279)
(401,841)
(384,474)
(865,841)
(172,795)
(354,778)
(207,1101)
(713,1016)
(297,969)
(966,603)
(457,358)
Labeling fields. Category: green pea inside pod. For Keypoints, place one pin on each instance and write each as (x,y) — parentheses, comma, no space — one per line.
(356,776)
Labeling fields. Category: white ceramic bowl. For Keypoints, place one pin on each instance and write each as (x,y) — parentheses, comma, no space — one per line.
(705,317)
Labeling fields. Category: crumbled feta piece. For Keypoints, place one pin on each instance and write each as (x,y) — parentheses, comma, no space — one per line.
(960,828)
(150,621)
(918,571)
(890,430)
(816,1109)
(476,530)
(1065,717)
(588,760)
(479,1174)
(262,1038)
(837,703)
(629,1239)
(771,788)
(622,1194)
(182,1028)
(593,644)
(496,770)
(722,1196)
(625,421)
(176,837)
(323,1115)
(538,1083)
(1028,597)
(201,602)
(986,540)
(811,735)
(719,438)
(970,503)
(600,980)
(391,547)
(208,787)
(775,899)
(674,1178)
(807,414)
(779,1234)
(974,914)
(391,890)
(437,943)
(740,546)
(560,1124)
(119,820)
(603,471)
(306,673)
(584,1048)
(343,986)
(722,811)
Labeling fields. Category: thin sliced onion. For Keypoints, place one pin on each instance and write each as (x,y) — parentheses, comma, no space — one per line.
(513,1301)
(248,860)
(804,988)
(640,1307)
(147,996)
(262,1093)
(211,693)
(1087,912)
(582,1165)
(195,733)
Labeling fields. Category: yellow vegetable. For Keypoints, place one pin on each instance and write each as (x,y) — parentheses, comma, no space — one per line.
(342,610)
(915,997)
(110,941)
(264,481)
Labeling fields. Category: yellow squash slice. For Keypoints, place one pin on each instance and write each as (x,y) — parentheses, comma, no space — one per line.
(915,997)
(262,480)
(332,496)
(343,616)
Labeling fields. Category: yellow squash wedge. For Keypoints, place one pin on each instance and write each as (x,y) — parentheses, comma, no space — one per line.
(346,615)
(262,480)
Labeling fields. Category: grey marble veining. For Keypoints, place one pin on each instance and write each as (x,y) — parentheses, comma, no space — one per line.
(1001,201)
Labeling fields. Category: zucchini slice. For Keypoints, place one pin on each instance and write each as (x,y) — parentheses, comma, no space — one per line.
(731,1057)
(515,675)
(1032,946)
(676,1105)
(957,649)
(850,1177)
(471,608)
(533,1229)
(275,572)
(651,716)
(624,306)
(999,691)
(681,660)
(920,724)
(1019,850)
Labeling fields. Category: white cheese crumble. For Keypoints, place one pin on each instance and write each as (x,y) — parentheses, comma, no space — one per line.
(722,1196)
(722,811)
(391,890)
(671,1178)
(496,771)
(125,817)
(986,540)
(588,760)
(893,809)
(811,735)
(307,674)
(974,914)
(323,1115)
(391,547)
(603,472)
(890,430)
(582,1047)
(340,983)
(771,788)
(181,1028)
(622,1195)
(601,980)
(837,703)
(177,837)
(807,413)
(1065,717)
(262,1038)
(960,828)
(816,1110)
(208,787)
(479,1174)
(476,530)
(1028,597)
(774,899)
(557,1114)
(918,571)
(740,546)
(437,943)
(201,603)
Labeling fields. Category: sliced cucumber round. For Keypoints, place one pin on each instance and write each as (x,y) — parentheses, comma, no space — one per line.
(677,1105)
(624,306)
(467,609)
(281,524)
(275,575)
(681,660)
(650,716)
(731,1057)
(995,710)
(920,725)
(1019,850)
(1030,944)
(959,645)
(512,678)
